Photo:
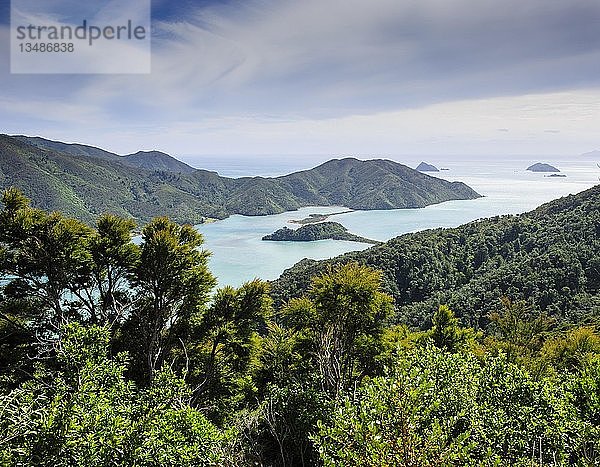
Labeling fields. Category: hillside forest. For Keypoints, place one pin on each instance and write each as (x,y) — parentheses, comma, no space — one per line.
(474,346)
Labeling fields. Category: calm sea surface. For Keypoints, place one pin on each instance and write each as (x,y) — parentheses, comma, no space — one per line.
(239,254)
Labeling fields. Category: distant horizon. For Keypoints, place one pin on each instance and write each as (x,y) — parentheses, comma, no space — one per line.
(191,159)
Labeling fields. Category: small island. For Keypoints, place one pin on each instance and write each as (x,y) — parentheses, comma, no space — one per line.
(555,175)
(541,167)
(319,231)
(425,167)
(314,218)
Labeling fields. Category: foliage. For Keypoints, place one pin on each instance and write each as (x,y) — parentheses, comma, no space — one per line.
(403,419)
(316,231)
(224,345)
(172,282)
(437,408)
(447,334)
(549,257)
(116,352)
(573,351)
(344,315)
(88,414)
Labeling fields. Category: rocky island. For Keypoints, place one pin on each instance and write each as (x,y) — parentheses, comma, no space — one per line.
(319,231)
(425,167)
(541,167)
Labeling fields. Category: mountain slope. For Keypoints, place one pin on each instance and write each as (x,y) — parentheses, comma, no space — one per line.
(373,184)
(549,256)
(156,160)
(83,181)
(84,187)
(74,149)
(150,160)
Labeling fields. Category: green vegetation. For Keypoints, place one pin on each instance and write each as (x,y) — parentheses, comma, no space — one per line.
(85,182)
(317,231)
(549,257)
(115,353)
(150,160)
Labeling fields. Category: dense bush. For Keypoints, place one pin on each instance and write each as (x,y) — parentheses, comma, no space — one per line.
(116,353)
(549,257)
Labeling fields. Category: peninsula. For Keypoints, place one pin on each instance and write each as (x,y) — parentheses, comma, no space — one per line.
(85,181)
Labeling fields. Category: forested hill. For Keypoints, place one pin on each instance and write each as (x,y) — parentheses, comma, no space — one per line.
(317,231)
(152,160)
(84,181)
(549,256)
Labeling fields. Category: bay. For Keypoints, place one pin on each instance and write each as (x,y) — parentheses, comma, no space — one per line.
(239,254)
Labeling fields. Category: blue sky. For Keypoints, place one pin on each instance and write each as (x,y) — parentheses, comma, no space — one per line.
(362,77)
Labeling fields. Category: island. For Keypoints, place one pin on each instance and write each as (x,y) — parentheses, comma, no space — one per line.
(319,231)
(555,175)
(425,167)
(541,167)
(314,218)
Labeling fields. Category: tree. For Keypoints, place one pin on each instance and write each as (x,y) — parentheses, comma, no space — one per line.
(572,351)
(520,329)
(446,332)
(172,283)
(58,269)
(88,414)
(344,312)
(44,258)
(439,408)
(415,416)
(114,258)
(223,344)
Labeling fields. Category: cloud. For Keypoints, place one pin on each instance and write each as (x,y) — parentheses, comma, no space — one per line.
(278,65)
(332,57)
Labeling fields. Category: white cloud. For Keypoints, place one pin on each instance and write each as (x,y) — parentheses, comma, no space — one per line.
(468,127)
(333,76)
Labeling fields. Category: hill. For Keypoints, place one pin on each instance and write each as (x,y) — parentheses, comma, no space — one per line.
(151,160)
(549,256)
(156,160)
(83,182)
(371,184)
(317,231)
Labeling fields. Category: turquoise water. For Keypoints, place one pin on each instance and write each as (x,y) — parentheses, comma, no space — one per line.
(239,254)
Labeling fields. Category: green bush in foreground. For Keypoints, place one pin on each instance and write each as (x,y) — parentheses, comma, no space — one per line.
(87,414)
(443,409)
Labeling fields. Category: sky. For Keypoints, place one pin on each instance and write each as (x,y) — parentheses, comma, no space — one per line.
(370,78)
